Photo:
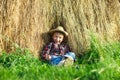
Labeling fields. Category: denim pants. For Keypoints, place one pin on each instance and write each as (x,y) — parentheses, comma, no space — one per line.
(56,59)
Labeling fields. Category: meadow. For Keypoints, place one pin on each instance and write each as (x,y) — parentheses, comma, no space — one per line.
(23,32)
(100,62)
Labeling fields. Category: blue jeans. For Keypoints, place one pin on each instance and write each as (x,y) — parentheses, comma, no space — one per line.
(56,59)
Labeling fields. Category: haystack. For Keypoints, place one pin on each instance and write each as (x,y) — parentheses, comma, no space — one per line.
(24,23)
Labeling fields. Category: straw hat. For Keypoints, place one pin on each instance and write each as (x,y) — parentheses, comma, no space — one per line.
(59,29)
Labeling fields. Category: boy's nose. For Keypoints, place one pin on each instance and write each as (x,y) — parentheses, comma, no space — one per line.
(58,39)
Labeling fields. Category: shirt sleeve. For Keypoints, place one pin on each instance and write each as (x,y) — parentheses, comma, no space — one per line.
(64,49)
(46,50)
(68,49)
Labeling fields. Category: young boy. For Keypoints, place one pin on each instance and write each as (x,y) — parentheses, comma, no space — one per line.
(57,52)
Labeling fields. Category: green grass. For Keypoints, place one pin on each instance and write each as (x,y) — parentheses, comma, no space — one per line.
(101,62)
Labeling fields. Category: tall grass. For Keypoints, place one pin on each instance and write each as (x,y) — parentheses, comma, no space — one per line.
(101,62)
(25,22)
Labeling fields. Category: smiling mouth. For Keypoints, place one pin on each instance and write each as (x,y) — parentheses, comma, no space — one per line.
(57,42)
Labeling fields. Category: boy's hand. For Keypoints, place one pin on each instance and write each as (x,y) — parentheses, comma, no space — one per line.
(48,57)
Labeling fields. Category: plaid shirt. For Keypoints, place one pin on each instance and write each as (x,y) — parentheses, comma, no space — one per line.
(51,49)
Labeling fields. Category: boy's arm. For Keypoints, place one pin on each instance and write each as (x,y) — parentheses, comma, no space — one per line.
(46,52)
(68,49)
(64,49)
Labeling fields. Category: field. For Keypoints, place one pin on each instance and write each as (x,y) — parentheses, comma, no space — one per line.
(101,62)
(23,33)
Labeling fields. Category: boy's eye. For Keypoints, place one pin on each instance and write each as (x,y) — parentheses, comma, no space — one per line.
(59,37)
(56,36)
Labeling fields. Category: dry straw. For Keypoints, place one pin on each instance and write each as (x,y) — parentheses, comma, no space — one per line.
(25,22)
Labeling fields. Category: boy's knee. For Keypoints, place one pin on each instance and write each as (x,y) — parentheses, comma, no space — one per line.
(70,54)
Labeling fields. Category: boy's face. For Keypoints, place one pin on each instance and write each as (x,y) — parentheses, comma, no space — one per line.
(57,37)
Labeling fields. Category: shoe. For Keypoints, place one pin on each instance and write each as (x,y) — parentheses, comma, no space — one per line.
(61,63)
(68,62)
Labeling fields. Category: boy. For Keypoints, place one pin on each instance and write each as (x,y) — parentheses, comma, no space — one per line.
(57,52)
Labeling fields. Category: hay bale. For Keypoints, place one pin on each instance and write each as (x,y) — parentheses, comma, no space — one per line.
(25,22)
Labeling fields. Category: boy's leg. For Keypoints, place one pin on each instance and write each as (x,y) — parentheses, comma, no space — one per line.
(55,60)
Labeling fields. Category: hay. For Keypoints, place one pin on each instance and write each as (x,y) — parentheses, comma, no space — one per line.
(25,22)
